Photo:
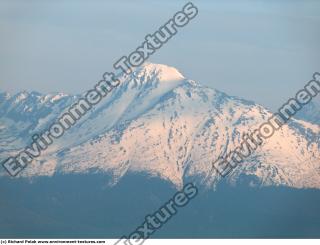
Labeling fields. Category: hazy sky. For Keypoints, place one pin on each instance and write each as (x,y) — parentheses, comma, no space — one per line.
(259,50)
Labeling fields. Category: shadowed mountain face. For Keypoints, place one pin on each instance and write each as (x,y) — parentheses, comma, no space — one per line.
(84,206)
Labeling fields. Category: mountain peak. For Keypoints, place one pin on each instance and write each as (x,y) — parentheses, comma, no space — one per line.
(163,73)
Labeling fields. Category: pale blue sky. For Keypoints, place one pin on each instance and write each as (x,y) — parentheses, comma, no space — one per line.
(259,50)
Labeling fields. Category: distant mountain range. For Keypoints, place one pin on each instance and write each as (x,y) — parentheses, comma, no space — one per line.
(311,113)
(161,124)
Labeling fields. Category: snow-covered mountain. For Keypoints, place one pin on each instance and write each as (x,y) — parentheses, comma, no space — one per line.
(159,123)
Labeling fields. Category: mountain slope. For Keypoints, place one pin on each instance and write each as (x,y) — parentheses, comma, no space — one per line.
(159,123)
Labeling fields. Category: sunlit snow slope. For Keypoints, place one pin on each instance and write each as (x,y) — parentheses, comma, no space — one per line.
(159,123)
